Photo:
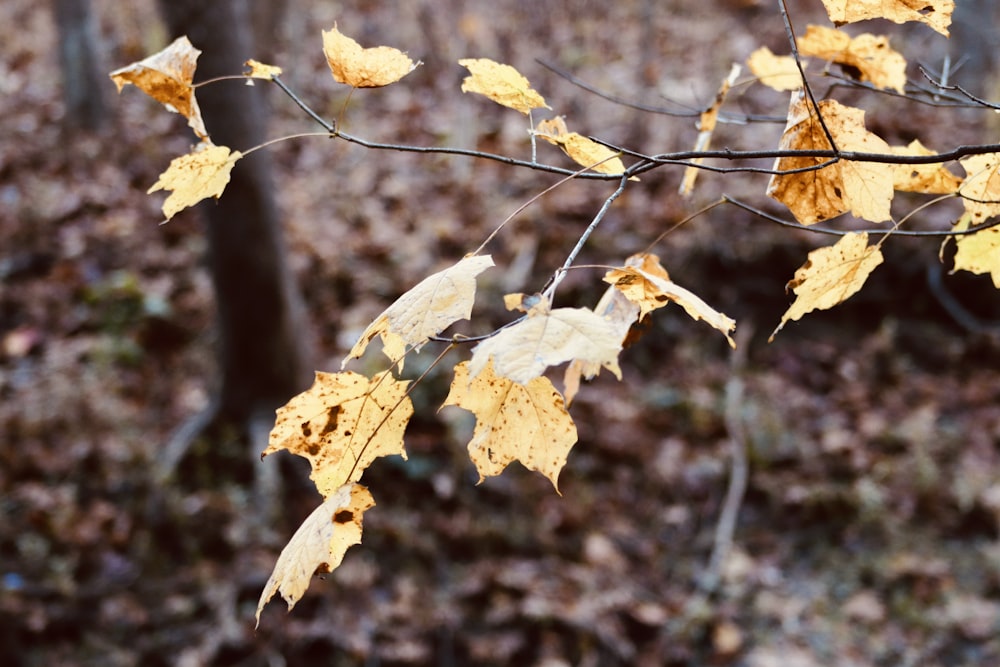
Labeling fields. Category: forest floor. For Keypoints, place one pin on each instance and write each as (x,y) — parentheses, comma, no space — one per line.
(869,530)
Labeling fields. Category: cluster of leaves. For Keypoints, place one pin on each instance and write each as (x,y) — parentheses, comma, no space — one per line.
(827,164)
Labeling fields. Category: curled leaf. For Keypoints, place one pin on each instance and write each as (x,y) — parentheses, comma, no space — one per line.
(356,66)
(935,13)
(501,83)
(259,70)
(585,152)
(202,173)
(777,72)
(870,55)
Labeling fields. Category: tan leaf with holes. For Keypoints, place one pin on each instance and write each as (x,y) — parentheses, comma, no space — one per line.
(934,13)
(356,66)
(202,173)
(434,304)
(501,83)
(342,424)
(777,72)
(980,190)
(525,422)
(831,275)
(871,55)
(318,545)
(931,179)
(167,77)
(585,152)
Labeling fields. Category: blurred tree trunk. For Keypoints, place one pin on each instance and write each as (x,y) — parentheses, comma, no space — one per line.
(975,45)
(84,81)
(264,348)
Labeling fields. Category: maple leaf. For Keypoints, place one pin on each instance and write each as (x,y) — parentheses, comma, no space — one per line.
(318,545)
(342,424)
(202,173)
(166,76)
(501,83)
(934,13)
(777,72)
(869,54)
(356,66)
(645,282)
(546,338)
(981,188)
(706,126)
(932,179)
(585,152)
(831,275)
(525,422)
(863,188)
(259,70)
(978,253)
(434,304)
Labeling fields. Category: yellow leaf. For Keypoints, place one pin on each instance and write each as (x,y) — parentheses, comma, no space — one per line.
(706,126)
(645,282)
(501,83)
(259,70)
(981,188)
(433,305)
(166,77)
(931,179)
(547,338)
(514,422)
(318,545)
(202,173)
(831,275)
(777,72)
(585,152)
(869,54)
(364,68)
(863,188)
(935,13)
(342,424)
(979,252)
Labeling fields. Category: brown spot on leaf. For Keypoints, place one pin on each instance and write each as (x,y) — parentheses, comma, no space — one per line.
(343,516)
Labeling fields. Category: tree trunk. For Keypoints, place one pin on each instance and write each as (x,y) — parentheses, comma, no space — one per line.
(263,343)
(84,81)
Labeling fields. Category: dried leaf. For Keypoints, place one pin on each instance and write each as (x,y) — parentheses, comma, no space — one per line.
(645,282)
(514,422)
(501,83)
(318,545)
(547,338)
(863,188)
(342,424)
(202,173)
(869,54)
(831,275)
(166,77)
(981,188)
(931,179)
(361,67)
(935,13)
(777,72)
(706,126)
(259,70)
(433,305)
(978,253)
(585,152)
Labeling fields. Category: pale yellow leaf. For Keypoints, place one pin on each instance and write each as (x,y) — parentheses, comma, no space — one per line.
(585,152)
(546,338)
(259,70)
(318,545)
(356,66)
(869,54)
(777,72)
(501,83)
(932,179)
(514,422)
(434,304)
(202,173)
(978,253)
(646,283)
(342,424)
(831,275)
(980,190)
(166,77)
(934,13)
(865,189)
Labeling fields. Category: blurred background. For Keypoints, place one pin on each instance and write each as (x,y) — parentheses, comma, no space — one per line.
(140,363)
